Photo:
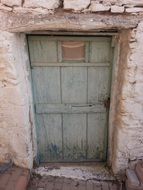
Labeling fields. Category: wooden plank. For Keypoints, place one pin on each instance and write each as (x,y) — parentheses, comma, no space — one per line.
(44,38)
(100,51)
(105,185)
(47,64)
(79,34)
(41,138)
(74,84)
(17,22)
(42,49)
(70,108)
(98,84)
(53,129)
(97,138)
(89,185)
(97,185)
(74,137)
(46,85)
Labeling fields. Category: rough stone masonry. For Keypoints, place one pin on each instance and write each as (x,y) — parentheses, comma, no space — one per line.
(18,17)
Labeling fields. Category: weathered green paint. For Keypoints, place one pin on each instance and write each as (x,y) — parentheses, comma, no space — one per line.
(69,98)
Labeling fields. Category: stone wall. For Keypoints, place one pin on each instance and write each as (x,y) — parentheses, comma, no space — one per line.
(17,129)
(113,6)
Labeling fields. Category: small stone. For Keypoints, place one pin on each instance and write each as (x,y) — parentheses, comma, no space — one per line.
(117,9)
(12,2)
(48,4)
(132,177)
(134,10)
(139,171)
(132,2)
(97,7)
(76,4)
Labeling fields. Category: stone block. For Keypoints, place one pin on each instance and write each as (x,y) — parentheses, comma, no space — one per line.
(76,4)
(134,10)
(117,9)
(132,187)
(132,178)
(12,2)
(48,4)
(132,2)
(139,171)
(97,7)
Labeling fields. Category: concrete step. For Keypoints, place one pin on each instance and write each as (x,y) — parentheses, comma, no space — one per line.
(14,179)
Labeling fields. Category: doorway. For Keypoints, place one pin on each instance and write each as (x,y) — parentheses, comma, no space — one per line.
(71,87)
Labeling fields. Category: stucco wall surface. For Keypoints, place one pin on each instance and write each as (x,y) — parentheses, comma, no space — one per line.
(128,137)
(15,102)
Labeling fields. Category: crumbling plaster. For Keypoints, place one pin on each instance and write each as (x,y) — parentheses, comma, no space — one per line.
(17,129)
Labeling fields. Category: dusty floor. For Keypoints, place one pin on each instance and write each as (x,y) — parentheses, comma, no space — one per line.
(73,177)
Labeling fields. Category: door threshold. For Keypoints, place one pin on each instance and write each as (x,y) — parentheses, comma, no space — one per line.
(81,171)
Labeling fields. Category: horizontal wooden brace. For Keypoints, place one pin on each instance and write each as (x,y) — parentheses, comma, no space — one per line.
(35,64)
(69,108)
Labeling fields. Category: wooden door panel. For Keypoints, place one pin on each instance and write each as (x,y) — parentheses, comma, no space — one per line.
(98,84)
(49,136)
(46,88)
(97,136)
(74,84)
(74,137)
(100,51)
(42,50)
(41,138)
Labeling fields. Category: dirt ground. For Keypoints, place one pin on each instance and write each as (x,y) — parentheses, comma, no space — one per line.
(62,183)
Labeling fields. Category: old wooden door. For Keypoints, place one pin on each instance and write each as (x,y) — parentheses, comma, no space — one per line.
(71,82)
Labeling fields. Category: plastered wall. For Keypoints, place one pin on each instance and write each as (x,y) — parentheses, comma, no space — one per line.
(17,128)
(16,123)
(128,123)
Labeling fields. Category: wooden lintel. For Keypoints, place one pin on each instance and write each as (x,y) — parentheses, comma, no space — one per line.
(14,22)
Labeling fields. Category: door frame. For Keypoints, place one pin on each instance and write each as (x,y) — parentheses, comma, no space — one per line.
(113,76)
